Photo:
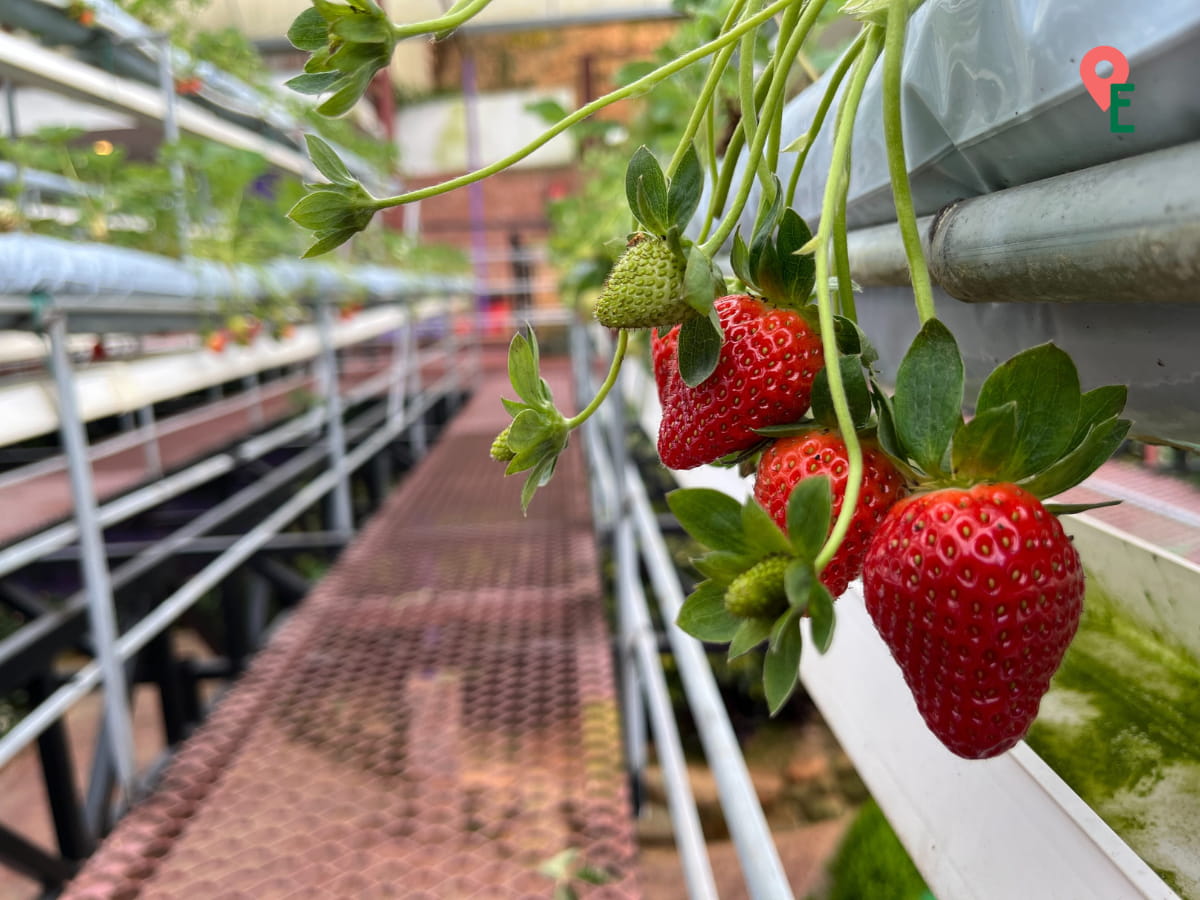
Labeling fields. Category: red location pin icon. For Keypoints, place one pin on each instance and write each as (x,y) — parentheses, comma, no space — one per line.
(1098,86)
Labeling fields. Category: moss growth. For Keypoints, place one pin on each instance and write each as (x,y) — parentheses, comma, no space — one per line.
(1121,725)
(871,863)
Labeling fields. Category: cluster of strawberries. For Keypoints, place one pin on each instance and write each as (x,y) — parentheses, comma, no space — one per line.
(968,577)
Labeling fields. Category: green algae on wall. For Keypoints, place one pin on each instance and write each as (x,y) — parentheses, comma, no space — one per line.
(1121,725)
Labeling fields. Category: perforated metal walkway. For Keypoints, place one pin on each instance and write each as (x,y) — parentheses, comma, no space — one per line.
(437,720)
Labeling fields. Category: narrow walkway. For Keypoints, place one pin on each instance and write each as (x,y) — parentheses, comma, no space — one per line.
(437,720)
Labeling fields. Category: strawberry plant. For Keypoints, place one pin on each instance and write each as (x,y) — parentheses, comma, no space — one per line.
(967,573)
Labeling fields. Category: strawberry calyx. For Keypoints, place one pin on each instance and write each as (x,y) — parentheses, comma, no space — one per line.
(758,580)
(770,266)
(1033,426)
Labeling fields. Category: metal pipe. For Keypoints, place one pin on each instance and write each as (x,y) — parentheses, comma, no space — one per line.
(102,614)
(170,122)
(681,804)
(417,432)
(145,418)
(1123,231)
(342,512)
(763,871)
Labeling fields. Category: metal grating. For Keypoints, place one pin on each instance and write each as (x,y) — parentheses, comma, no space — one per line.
(436,721)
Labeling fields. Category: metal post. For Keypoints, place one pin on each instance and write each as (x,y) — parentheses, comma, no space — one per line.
(166,83)
(253,387)
(632,704)
(417,426)
(342,514)
(102,614)
(145,418)
(395,396)
(258,607)
(10,109)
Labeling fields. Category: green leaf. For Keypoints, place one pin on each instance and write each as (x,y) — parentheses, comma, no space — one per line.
(309,31)
(350,89)
(1095,407)
(523,369)
(853,341)
(328,240)
(781,666)
(929,392)
(1101,442)
(1069,509)
(789,430)
(982,446)
(699,350)
(858,395)
(529,428)
(769,209)
(322,211)
(763,536)
(750,633)
(722,567)
(683,195)
(514,408)
(797,274)
(704,616)
(820,608)
(809,510)
(327,161)
(538,477)
(313,82)
(1044,385)
(592,875)
(646,191)
(739,260)
(363,29)
(699,281)
(712,518)
(885,431)
(798,581)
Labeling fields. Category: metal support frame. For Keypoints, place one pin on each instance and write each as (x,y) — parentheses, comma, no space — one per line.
(145,418)
(341,512)
(101,611)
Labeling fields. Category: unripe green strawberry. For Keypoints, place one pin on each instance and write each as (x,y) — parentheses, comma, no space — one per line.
(759,593)
(645,287)
(501,451)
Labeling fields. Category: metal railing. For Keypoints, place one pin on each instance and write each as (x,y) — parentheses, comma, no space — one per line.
(626,519)
(393,403)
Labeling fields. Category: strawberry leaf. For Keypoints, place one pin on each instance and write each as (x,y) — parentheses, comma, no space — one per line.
(1101,442)
(1095,407)
(798,582)
(929,394)
(857,394)
(327,161)
(809,510)
(704,616)
(885,431)
(750,633)
(781,666)
(820,608)
(712,518)
(328,240)
(762,534)
(769,210)
(722,567)
(1044,384)
(1068,509)
(982,446)
(309,31)
(538,477)
(523,369)
(311,83)
(699,350)
(349,90)
(683,194)
(853,341)
(529,428)
(646,191)
(700,281)
(797,274)
(739,260)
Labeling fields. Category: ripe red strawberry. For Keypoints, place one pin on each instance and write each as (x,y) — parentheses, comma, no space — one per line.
(822,451)
(977,593)
(764,377)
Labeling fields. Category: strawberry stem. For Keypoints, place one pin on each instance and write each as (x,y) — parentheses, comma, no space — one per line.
(632,89)
(834,188)
(457,16)
(893,131)
(613,371)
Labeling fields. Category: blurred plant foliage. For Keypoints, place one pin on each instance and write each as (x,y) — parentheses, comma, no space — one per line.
(588,219)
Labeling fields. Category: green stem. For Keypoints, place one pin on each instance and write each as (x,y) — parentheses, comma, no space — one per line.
(711,83)
(841,258)
(458,14)
(747,96)
(838,173)
(835,81)
(774,98)
(636,87)
(893,131)
(613,370)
